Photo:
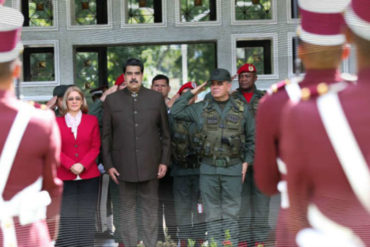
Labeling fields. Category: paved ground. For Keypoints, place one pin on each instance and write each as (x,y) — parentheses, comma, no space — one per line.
(274,209)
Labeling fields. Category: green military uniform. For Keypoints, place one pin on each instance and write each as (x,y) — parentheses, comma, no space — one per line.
(185,170)
(254,213)
(227,142)
(96,109)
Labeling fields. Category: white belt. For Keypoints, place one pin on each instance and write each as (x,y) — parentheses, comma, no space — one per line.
(283,185)
(29,205)
(325,232)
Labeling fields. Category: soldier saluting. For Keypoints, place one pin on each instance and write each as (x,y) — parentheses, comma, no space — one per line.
(29,188)
(228,147)
(254,213)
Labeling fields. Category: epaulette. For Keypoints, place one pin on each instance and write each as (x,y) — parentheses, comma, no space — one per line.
(308,93)
(276,87)
(322,88)
(349,78)
(239,104)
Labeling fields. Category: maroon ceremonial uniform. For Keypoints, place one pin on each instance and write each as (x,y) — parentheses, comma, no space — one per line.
(37,156)
(268,139)
(314,172)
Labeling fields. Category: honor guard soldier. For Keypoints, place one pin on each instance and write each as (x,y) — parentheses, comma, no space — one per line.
(321,51)
(253,222)
(228,147)
(30,192)
(185,150)
(326,141)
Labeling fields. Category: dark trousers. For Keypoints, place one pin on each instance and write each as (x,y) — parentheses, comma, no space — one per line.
(221,200)
(116,204)
(254,213)
(190,222)
(77,217)
(139,210)
(166,208)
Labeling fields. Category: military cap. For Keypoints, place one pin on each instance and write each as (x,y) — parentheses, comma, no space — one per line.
(247,68)
(60,90)
(11,21)
(220,75)
(357,17)
(322,22)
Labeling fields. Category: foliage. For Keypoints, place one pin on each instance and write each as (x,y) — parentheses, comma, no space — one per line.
(42,66)
(85,12)
(191,243)
(189,12)
(253,55)
(253,9)
(137,15)
(40,13)
(165,59)
(227,242)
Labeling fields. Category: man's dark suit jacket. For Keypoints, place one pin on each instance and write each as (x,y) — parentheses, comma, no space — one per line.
(136,136)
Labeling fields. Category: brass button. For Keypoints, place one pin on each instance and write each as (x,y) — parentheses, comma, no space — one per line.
(76,146)
(76,155)
(8,224)
(136,125)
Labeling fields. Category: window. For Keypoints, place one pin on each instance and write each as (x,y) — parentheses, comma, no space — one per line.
(142,11)
(297,64)
(90,67)
(294,9)
(98,66)
(257,52)
(38,64)
(89,12)
(253,10)
(197,10)
(38,13)
(259,49)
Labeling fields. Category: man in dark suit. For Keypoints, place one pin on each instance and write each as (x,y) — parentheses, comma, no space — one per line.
(136,152)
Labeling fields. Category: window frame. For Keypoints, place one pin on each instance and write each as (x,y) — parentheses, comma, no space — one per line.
(254,37)
(71,26)
(44,44)
(124,7)
(102,62)
(291,20)
(17,4)
(273,20)
(179,23)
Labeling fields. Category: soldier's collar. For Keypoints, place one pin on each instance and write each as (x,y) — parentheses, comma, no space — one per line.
(254,89)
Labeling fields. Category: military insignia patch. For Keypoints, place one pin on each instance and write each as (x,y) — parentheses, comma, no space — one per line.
(233,118)
(212,120)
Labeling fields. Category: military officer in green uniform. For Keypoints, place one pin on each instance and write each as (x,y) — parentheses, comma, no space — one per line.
(253,222)
(227,128)
(185,148)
